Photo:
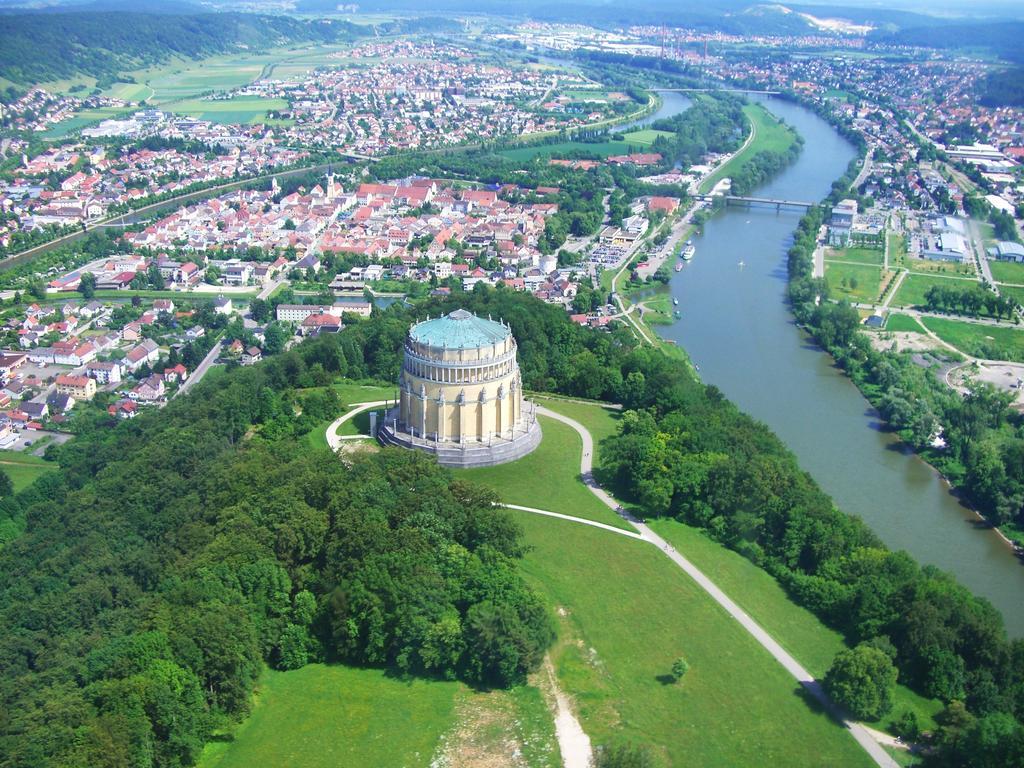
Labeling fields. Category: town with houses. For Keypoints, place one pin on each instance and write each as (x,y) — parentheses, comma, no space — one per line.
(324,254)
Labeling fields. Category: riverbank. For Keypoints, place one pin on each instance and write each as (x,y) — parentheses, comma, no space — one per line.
(767,134)
(737,326)
(961,472)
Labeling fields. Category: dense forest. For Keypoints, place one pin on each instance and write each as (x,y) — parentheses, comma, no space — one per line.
(36,48)
(1003,89)
(175,554)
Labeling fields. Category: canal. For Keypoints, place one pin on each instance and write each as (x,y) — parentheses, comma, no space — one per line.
(737,327)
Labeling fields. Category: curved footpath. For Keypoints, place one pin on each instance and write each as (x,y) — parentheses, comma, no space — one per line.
(868,739)
(334,440)
(806,680)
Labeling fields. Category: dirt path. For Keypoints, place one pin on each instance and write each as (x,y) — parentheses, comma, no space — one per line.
(572,740)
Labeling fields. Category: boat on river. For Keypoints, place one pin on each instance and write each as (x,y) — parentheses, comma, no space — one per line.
(675,302)
(689,251)
(679,266)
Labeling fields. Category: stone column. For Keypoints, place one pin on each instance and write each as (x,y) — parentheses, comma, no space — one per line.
(439,435)
(423,411)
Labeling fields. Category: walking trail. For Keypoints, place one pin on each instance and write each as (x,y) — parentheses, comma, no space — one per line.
(806,680)
(573,742)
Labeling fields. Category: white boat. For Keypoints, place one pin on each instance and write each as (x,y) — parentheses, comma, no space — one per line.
(679,266)
(688,252)
(675,302)
(742,264)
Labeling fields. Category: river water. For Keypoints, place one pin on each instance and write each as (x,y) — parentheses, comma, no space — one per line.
(737,327)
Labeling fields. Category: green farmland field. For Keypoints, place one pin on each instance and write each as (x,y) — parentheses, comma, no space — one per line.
(646,137)
(249,109)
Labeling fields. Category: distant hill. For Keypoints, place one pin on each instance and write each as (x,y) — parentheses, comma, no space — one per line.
(40,47)
(1000,37)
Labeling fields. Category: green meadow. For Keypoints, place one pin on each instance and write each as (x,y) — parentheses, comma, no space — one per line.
(855,282)
(1007,272)
(873,256)
(646,137)
(626,612)
(992,342)
(334,715)
(902,323)
(23,468)
(548,478)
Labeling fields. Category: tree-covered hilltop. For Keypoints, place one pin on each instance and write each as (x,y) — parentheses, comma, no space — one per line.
(38,48)
(175,554)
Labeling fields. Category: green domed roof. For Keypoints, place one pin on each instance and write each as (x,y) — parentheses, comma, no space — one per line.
(459,330)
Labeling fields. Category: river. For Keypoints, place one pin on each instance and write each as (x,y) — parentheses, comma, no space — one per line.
(737,327)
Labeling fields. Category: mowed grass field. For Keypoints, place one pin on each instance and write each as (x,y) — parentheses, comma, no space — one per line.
(902,323)
(626,613)
(795,628)
(772,135)
(601,422)
(991,342)
(548,478)
(321,716)
(23,468)
(859,255)
(351,393)
(249,109)
(914,287)
(646,137)
(855,282)
(1007,272)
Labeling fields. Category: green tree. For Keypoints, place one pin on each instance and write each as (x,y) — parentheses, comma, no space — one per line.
(679,669)
(862,680)
(623,756)
(6,486)
(87,285)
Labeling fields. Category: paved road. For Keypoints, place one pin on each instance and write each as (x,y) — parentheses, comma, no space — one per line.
(806,680)
(819,262)
(269,289)
(978,247)
(201,369)
(865,169)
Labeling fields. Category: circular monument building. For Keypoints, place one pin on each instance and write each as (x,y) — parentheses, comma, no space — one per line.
(460,395)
